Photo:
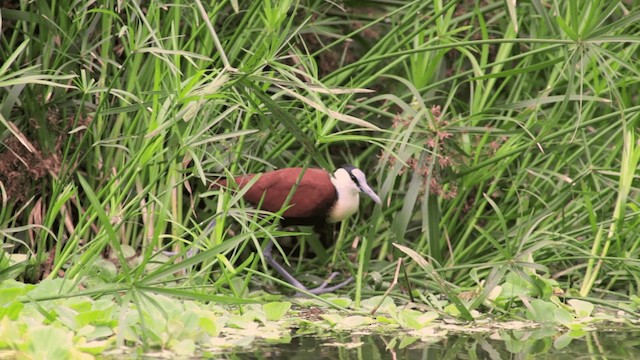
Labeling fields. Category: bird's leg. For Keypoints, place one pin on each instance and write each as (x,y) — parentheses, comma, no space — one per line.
(322,289)
(327,237)
(267,252)
(326,233)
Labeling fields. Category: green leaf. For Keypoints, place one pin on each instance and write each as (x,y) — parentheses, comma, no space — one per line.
(567,30)
(207,324)
(582,308)
(542,311)
(406,341)
(417,320)
(341,302)
(562,341)
(354,321)
(11,290)
(275,311)
(49,342)
(562,316)
(388,305)
(185,347)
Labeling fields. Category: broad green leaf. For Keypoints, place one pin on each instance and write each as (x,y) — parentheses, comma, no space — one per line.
(581,307)
(275,311)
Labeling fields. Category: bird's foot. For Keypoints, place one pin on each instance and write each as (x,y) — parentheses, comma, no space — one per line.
(322,289)
(325,288)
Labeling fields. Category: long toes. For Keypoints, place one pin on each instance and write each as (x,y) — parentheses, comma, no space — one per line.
(331,277)
(323,289)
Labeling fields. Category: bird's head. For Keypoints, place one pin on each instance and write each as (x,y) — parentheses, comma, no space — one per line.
(349,178)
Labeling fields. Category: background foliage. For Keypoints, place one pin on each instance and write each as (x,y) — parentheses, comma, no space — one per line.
(501,136)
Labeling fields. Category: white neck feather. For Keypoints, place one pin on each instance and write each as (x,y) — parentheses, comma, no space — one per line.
(348,197)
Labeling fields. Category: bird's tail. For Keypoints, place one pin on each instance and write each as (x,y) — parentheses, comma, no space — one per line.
(238,181)
(218,183)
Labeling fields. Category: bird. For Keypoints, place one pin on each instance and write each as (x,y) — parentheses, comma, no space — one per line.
(318,198)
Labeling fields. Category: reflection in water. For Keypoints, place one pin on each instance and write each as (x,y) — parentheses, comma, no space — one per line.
(532,344)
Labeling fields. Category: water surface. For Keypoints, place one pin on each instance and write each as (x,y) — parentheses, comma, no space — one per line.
(531,344)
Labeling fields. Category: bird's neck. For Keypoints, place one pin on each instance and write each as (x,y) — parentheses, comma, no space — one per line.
(346,204)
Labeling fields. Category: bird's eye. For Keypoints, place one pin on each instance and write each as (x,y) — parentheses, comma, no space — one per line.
(354,179)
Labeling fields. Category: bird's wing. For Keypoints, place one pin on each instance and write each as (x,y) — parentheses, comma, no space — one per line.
(313,196)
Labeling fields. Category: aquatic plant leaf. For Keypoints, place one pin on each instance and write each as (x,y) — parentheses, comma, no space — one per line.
(581,307)
(275,311)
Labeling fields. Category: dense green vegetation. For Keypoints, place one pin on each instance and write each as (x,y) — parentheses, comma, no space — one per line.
(502,139)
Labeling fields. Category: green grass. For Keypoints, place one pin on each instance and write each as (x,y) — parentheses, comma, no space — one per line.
(501,139)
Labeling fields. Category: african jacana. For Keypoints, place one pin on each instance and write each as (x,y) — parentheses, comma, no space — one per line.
(320,199)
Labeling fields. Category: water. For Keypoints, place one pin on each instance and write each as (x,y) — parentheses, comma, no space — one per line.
(532,344)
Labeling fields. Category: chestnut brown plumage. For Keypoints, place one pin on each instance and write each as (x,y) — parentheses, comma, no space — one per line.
(310,203)
(319,199)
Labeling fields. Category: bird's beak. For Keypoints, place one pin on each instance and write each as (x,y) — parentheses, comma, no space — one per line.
(372,194)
